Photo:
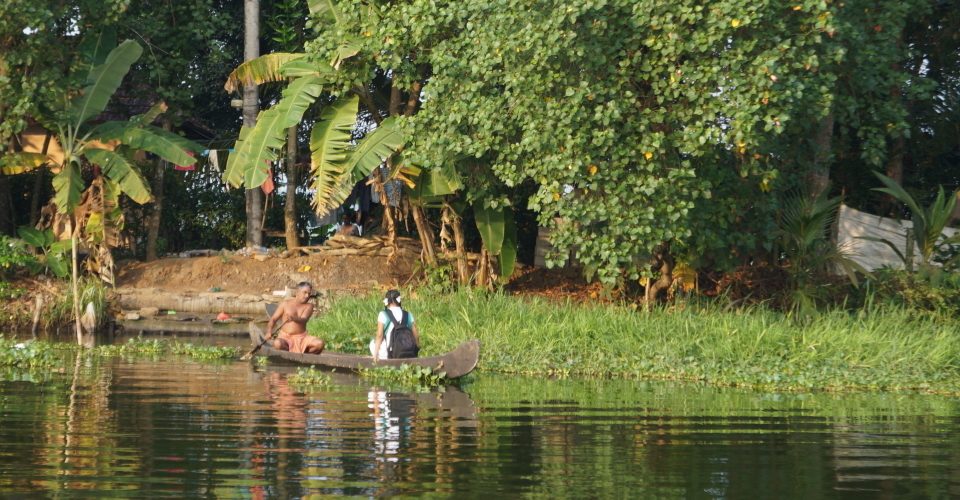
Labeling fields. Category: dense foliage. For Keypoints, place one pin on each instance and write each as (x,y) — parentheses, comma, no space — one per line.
(638,131)
(640,124)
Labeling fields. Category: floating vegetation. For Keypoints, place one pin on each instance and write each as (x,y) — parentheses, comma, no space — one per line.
(31,355)
(136,347)
(412,376)
(262,361)
(309,377)
(205,352)
(154,348)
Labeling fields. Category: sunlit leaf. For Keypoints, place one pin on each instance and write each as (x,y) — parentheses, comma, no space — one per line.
(264,69)
(103,81)
(329,145)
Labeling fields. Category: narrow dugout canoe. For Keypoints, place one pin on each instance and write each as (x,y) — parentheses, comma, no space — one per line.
(455,363)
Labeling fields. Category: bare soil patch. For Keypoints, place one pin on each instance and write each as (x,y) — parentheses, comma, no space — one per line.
(243,274)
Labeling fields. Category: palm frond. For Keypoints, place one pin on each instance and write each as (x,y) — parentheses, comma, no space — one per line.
(374,149)
(120,170)
(329,145)
(103,81)
(253,153)
(264,69)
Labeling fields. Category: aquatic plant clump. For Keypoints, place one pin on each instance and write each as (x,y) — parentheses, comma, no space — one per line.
(27,355)
(405,375)
(875,348)
(152,348)
(310,377)
(205,352)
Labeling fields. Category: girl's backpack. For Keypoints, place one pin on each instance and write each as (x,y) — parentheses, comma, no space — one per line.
(402,342)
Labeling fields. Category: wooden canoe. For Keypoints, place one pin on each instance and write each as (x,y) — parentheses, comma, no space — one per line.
(455,363)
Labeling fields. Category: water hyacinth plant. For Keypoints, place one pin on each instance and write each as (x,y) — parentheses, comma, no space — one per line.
(310,377)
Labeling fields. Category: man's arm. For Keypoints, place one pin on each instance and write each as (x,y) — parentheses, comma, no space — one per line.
(305,313)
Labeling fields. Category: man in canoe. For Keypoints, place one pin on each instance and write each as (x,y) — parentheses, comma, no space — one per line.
(293,315)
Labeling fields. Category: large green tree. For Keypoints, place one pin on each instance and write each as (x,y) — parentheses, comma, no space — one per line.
(616,110)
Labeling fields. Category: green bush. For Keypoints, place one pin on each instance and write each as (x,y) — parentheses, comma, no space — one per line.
(15,257)
(928,289)
(10,292)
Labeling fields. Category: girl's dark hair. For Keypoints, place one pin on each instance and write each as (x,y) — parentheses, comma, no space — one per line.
(392,297)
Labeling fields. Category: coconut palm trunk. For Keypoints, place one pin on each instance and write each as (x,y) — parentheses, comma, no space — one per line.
(251,50)
(290,200)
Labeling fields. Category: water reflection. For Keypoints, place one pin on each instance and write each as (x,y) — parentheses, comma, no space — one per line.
(172,427)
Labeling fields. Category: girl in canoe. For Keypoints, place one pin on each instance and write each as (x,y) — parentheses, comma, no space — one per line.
(394,319)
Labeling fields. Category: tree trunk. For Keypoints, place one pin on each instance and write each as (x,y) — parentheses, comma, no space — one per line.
(463,271)
(290,200)
(251,50)
(7,221)
(153,219)
(484,267)
(663,263)
(395,98)
(413,98)
(818,178)
(387,211)
(156,212)
(38,183)
(74,279)
(426,235)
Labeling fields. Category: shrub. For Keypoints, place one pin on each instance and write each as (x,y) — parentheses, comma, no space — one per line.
(15,257)
(929,289)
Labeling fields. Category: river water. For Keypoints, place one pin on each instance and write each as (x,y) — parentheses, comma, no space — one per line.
(178,428)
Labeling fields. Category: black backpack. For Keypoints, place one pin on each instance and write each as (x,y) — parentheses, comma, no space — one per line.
(402,342)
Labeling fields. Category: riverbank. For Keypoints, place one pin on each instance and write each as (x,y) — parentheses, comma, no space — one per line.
(879,348)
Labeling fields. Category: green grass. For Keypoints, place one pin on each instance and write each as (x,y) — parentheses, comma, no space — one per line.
(878,348)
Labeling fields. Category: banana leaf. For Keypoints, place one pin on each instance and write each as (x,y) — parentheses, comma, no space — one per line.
(269,134)
(103,81)
(374,149)
(329,147)
(490,223)
(264,69)
(120,170)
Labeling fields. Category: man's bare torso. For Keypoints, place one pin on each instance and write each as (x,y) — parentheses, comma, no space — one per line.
(295,317)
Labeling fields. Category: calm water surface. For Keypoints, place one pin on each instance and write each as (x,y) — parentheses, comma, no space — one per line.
(178,428)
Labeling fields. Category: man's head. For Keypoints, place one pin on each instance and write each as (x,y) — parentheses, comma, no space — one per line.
(304,292)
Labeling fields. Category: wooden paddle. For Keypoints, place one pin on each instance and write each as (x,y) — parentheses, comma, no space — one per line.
(271,308)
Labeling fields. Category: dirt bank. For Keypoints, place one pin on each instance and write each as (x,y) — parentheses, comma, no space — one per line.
(249,275)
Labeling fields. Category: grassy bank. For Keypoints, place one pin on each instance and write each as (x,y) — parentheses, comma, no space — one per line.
(875,348)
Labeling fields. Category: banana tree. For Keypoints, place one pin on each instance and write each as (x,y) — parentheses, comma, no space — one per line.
(497,228)
(106,150)
(336,162)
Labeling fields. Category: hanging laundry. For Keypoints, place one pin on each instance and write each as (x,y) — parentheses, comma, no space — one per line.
(267,185)
(192,166)
(214,159)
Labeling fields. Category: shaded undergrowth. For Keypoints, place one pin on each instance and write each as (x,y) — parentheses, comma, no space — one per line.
(876,347)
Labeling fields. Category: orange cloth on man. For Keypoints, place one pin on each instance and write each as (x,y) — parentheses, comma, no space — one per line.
(296,342)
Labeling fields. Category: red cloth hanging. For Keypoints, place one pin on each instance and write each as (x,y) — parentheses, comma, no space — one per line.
(192,166)
(267,185)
